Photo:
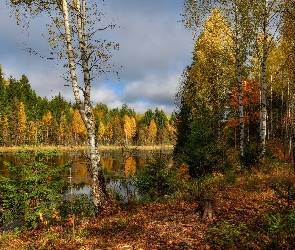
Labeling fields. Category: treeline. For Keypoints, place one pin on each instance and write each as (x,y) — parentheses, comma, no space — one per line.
(235,99)
(28,119)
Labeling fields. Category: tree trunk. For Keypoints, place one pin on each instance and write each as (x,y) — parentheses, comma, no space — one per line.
(263,87)
(206,207)
(240,100)
(240,87)
(98,180)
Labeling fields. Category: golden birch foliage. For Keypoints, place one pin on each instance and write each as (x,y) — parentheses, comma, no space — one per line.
(127,127)
(287,43)
(152,131)
(108,134)
(132,126)
(100,131)
(212,71)
(277,60)
(78,126)
(47,119)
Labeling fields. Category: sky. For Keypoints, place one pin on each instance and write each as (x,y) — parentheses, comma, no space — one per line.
(154,48)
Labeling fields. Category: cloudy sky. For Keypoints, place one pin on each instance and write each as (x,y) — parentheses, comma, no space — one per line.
(154,50)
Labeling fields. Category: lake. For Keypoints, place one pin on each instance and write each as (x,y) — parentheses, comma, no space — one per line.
(118,166)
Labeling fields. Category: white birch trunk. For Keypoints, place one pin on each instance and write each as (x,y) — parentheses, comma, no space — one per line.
(240,86)
(98,181)
(240,100)
(263,87)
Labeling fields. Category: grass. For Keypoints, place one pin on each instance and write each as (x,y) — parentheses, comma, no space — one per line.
(13,149)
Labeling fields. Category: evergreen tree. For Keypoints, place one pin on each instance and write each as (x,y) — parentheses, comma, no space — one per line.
(5,131)
(147,117)
(57,106)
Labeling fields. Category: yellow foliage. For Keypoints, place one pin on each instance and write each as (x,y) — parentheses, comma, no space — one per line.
(183,172)
(152,131)
(212,73)
(78,126)
(56,215)
(130,166)
(100,130)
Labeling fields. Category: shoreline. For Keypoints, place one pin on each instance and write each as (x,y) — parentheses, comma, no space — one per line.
(14,149)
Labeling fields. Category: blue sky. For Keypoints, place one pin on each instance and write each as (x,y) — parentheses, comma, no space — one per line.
(154,50)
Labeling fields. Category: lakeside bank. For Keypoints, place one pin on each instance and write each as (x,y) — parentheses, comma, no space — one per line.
(14,149)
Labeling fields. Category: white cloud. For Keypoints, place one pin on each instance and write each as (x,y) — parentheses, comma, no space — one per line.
(154,49)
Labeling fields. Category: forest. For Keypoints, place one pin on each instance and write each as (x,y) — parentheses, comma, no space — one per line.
(27,119)
(238,92)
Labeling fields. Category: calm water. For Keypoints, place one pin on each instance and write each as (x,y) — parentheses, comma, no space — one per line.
(118,167)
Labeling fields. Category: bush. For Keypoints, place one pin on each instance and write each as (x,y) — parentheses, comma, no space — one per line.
(199,142)
(203,153)
(280,232)
(157,178)
(284,190)
(226,235)
(30,196)
(81,205)
(251,156)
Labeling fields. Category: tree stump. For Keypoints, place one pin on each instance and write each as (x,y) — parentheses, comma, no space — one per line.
(206,207)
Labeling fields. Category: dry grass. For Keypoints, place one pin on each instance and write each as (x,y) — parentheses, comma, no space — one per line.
(13,149)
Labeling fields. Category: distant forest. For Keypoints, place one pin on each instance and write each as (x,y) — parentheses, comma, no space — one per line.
(28,119)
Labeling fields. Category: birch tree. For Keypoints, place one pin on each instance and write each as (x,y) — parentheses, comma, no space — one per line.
(239,18)
(72,38)
(268,19)
(289,41)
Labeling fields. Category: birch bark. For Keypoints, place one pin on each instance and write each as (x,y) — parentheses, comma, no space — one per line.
(240,84)
(263,84)
(98,180)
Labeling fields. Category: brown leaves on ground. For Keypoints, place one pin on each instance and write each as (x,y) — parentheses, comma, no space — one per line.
(176,225)
(154,226)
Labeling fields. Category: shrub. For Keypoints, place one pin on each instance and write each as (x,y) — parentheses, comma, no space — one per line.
(284,190)
(280,231)
(226,235)
(251,156)
(157,178)
(81,205)
(199,142)
(31,194)
(202,151)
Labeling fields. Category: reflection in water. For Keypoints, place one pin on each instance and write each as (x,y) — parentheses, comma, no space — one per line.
(130,166)
(117,166)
